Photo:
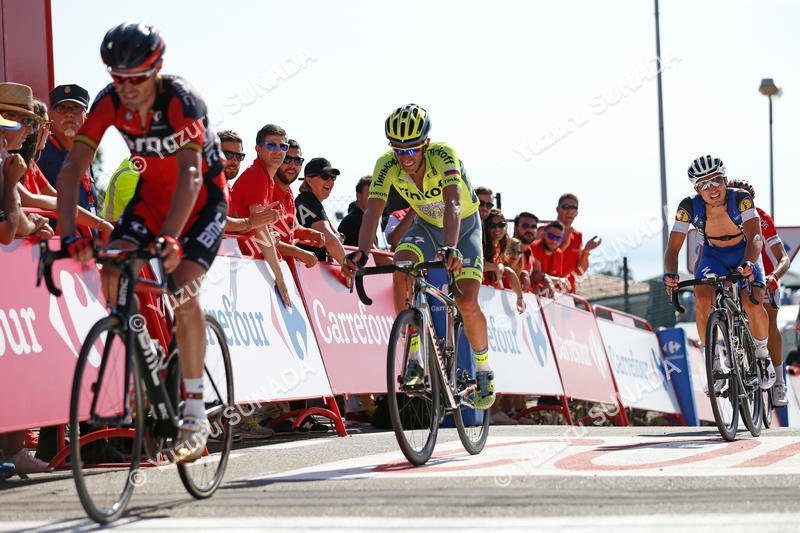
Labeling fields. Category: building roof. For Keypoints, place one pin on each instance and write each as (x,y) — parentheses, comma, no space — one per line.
(601,286)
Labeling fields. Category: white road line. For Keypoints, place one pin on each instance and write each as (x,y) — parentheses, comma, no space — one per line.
(756,522)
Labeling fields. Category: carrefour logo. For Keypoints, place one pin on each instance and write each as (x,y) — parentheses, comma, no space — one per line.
(534,335)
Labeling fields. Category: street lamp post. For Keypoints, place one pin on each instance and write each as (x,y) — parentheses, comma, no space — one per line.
(768,89)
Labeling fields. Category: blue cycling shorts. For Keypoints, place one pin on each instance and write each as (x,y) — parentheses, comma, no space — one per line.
(720,261)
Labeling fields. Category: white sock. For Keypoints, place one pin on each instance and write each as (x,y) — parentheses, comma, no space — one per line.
(194,407)
(761,348)
(779,375)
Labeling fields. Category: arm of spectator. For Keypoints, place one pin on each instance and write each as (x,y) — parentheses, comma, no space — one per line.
(312,236)
(304,256)
(259,216)
(332,243)
(513,280)
(48,203)
(12,171)
(525,280)
(583,258)
(394,236)
(37,226)
(266,244)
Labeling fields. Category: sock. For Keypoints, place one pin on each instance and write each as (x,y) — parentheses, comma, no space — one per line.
(482,360)
(779,375)
(194,407)
(761,348)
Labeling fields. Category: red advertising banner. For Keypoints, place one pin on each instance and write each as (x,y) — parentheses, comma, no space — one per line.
(579,351)
(353,338)
(41,336)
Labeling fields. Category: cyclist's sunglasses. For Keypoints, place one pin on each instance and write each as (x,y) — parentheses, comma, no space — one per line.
(553,236)
(27,122)
(134,78)
(271,146)
(407,151)
(233,155)
(712,182)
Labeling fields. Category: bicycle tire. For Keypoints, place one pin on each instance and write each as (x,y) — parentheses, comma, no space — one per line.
(105,497)
(414,415)
(752,407)
(473,438)
(725,403)
(219,407)
(767,413)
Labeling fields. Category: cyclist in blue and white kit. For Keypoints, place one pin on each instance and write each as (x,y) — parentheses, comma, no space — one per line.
(731,231)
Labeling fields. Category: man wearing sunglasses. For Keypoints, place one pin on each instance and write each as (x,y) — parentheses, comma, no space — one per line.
(181,199)
(233,150)
(486,199)
(547,252)
(576,255)
(431,178)
(731,231)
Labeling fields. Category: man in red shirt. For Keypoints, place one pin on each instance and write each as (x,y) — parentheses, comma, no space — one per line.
(252,192)
(287,227)
(551,258)
(576,256)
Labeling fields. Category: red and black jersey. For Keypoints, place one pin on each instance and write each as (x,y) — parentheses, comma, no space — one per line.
(178,120)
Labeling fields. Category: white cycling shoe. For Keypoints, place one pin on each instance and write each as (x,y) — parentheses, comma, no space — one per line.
(779,398)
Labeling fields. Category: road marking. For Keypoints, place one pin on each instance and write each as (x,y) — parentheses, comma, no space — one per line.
(507,457)
(761,522)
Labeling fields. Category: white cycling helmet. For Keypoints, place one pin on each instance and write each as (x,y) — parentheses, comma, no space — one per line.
(704,166)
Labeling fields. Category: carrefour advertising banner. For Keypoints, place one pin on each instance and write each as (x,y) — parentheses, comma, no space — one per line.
(519,350)
(643,378)
(579,350)
(41,335)
(273,350)
(352,336)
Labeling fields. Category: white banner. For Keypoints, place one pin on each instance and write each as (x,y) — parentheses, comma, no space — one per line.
(519,349)
(640,372)
(273,349)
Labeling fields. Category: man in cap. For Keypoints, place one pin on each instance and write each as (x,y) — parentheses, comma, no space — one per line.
(68,105)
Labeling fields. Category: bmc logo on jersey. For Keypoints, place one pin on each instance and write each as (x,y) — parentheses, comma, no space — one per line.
(166,145)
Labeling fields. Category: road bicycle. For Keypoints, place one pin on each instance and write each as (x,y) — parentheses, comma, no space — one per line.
(416,411)
(127,392)
(732,370)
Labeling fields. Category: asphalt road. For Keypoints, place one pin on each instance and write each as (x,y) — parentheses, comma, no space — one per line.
(528,477)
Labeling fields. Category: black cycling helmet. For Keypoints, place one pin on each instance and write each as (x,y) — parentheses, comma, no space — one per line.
(131,45)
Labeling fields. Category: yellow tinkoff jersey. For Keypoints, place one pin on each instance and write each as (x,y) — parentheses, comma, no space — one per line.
(442,168)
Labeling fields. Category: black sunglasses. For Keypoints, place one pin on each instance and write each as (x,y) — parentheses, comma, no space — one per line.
(525,225)
(496,225)
(568,207)
(326,177)
(487,205)
(231,155)
(289,159)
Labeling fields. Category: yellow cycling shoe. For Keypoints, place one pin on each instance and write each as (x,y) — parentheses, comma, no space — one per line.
(484,394)
(191,441)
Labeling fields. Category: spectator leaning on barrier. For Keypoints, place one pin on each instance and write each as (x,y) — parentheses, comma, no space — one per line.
(495,244)
(319,177)
(36,191)
(287,227)
(252,193)
(551,258)
(68,105)
(514,259)
(486,199)
(351,224)
(576,255)
(16,108)
(525,225)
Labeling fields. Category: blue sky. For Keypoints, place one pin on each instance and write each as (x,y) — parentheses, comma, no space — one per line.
(539,98)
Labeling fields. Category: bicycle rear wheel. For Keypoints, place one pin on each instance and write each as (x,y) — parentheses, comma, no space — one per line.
(414,413)
(473,437)
(722,383)
(768,408)
(101,381)
(751,404)
(202,477)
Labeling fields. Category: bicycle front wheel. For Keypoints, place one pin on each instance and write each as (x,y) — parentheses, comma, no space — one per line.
(202,477)
(723,389)
(768,408)
(473,436)
(98,392)
(414,411)
(751,404)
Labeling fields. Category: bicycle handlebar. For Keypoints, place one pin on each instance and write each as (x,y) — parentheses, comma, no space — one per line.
(713,280)
(104,257)
(388,269)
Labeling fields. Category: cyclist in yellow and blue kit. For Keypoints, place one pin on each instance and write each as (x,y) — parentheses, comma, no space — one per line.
(431,178)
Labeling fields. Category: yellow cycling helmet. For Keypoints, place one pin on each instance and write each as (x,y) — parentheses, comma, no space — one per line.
(407,124)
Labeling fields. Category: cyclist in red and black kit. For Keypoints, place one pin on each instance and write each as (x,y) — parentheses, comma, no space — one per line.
(180,200)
